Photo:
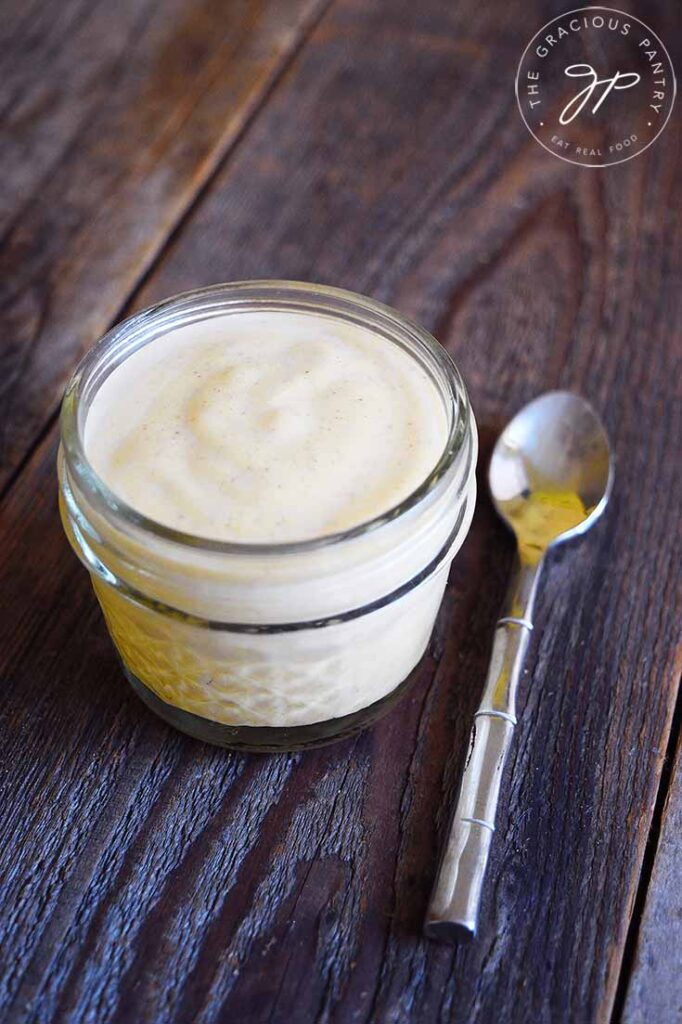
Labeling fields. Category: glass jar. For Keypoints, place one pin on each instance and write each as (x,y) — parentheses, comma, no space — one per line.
(269,646)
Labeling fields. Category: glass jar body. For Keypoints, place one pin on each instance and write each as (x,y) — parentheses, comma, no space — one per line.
(277,689)
(266,647)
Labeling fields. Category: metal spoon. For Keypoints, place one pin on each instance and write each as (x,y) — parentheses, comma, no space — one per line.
(550,478)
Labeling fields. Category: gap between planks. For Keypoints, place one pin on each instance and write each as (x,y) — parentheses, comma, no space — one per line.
(651,850)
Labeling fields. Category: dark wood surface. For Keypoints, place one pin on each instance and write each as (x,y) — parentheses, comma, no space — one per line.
(115,116)
(146,877)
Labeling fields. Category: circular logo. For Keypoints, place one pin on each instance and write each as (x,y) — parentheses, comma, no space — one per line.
(595,86)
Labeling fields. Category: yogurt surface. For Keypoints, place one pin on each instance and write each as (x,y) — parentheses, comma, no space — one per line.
(266,427)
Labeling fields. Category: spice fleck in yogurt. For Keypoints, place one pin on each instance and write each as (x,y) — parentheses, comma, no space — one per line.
(268,483)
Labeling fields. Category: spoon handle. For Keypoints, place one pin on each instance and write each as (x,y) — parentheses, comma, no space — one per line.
(453,910)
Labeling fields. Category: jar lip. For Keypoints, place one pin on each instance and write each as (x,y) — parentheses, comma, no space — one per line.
(283,295)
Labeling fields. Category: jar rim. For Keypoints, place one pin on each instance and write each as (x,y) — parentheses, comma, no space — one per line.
(284,296)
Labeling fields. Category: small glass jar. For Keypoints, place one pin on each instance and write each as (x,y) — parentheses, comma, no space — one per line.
(269,646)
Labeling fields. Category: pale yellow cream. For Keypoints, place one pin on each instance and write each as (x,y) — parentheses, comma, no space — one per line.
(266,427)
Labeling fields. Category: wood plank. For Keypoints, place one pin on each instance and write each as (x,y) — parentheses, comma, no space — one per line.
(114,116)
(654,991)
(145,876)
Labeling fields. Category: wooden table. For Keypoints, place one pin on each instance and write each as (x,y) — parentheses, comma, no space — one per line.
(153,147)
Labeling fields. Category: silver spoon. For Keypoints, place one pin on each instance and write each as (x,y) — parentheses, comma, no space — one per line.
(550,478)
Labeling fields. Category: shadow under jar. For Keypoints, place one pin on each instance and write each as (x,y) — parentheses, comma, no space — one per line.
(270,646)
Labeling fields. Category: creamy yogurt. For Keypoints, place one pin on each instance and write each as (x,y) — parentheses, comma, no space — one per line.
(244,428)
(266,427)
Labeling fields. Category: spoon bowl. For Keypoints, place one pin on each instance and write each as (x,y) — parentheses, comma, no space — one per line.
(551,472)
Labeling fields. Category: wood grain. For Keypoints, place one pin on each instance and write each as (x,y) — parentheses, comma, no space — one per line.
(654,992)
(113,117)
(147,877)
